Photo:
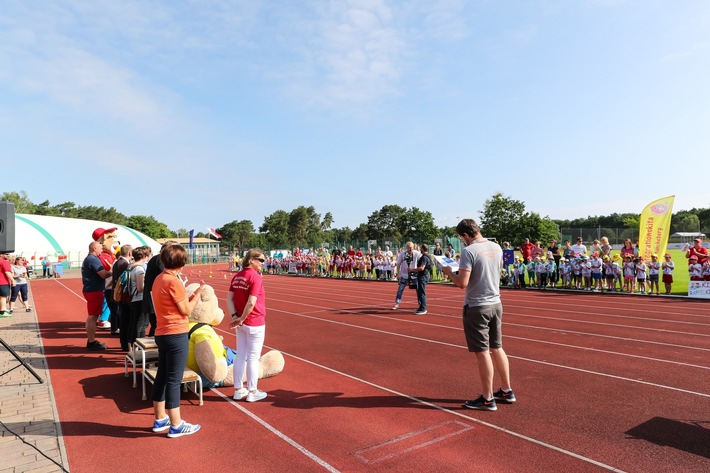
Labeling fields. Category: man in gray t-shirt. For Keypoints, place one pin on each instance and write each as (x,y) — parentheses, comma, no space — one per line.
(479,274)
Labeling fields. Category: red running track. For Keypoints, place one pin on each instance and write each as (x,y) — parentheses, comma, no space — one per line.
(603,383)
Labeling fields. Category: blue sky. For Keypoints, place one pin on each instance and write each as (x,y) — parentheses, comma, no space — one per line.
(203,112)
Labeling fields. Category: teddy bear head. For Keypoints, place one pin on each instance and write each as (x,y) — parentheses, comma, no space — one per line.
(207,309)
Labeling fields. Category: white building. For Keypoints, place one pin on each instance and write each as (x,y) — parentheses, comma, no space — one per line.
(66,239)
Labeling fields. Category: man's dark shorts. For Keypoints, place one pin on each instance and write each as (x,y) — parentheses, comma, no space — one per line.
(482,327)
(5,290)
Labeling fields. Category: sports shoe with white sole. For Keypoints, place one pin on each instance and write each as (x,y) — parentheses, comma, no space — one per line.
(103,325)
(254,396)
(481,404)
(183,429)
(396,306)
(240,393)
(161,424)
(502,396)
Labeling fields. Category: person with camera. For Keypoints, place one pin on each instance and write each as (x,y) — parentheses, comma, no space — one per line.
(406,260)
(422,272)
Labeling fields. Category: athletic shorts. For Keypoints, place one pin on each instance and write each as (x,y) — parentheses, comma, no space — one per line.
(94,303)
(668,278)
(596,275)
(653,277)
(640,280)
(482,327)
(5,290)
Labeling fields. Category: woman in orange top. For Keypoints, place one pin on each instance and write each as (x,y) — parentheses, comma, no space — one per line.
(172,309)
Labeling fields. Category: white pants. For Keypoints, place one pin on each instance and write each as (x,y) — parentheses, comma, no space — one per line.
(250,341)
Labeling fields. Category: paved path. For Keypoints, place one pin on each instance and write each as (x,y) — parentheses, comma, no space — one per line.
(30,433)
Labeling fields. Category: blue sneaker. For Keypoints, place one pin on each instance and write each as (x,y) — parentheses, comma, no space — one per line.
(481,404)
(161,424)
(506,397)
(183,429)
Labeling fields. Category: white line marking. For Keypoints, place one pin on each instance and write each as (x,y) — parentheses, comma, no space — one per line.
(659,360)
(70,290)
(280,434)
(457,414)
(625,339)
(359,454)
(509,356)
(516,337)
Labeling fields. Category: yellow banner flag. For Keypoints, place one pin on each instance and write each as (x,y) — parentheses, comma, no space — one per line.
(655,226)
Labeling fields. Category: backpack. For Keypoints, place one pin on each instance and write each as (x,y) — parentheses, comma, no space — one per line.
(122,288)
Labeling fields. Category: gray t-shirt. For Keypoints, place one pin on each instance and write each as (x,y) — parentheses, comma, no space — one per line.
(18,271)
(483,258)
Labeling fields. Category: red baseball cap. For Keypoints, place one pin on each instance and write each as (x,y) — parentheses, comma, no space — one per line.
(99,232)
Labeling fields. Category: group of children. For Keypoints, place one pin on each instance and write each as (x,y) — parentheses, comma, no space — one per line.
(630,274)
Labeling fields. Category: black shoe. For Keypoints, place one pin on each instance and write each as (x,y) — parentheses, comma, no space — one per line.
(506,397)
(481,404)
(95,346)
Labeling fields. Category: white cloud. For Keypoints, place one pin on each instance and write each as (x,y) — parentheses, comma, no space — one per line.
(351,54)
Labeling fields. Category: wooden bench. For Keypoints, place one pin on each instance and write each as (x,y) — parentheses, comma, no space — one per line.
(145,350)
(190,379)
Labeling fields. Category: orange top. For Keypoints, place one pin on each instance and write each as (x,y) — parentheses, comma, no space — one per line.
(168,290)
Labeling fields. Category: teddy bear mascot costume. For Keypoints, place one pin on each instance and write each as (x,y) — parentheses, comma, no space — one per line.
(207,355)
(107,238)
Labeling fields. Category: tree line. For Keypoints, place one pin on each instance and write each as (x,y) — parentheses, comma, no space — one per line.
(502,218)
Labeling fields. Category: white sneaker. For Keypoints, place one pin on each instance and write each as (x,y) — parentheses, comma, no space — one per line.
(257,395)
(396,306)
(240,394)
(103,325)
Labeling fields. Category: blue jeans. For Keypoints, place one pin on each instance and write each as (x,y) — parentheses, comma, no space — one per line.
(400,289)
(421,291)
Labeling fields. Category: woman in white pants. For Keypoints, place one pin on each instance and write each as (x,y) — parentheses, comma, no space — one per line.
(247,304)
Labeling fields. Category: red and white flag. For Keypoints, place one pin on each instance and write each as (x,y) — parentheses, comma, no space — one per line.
(214,233)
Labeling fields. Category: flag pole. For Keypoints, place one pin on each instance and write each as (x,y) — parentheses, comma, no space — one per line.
(209,251)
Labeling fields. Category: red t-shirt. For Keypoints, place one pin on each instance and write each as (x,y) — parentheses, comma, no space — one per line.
(4,266)
(245,283)
(168,290)
(526,250)
(701,253)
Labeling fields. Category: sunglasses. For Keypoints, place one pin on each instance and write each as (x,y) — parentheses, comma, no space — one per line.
(260,259)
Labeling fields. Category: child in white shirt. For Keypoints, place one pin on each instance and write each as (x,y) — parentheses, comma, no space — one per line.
(629,273)
(695,270)
(654,268)
(667,267)
(641,275)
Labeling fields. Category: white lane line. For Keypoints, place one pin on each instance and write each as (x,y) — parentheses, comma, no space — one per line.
(280,434)
(582,370)
(364,454)
(635,327)
(445,327)
(70,290)
(507,311)
(609,352)
(614,316)
(458,414)
(625,339)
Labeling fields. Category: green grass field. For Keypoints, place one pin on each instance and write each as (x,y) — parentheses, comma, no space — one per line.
(680,275)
